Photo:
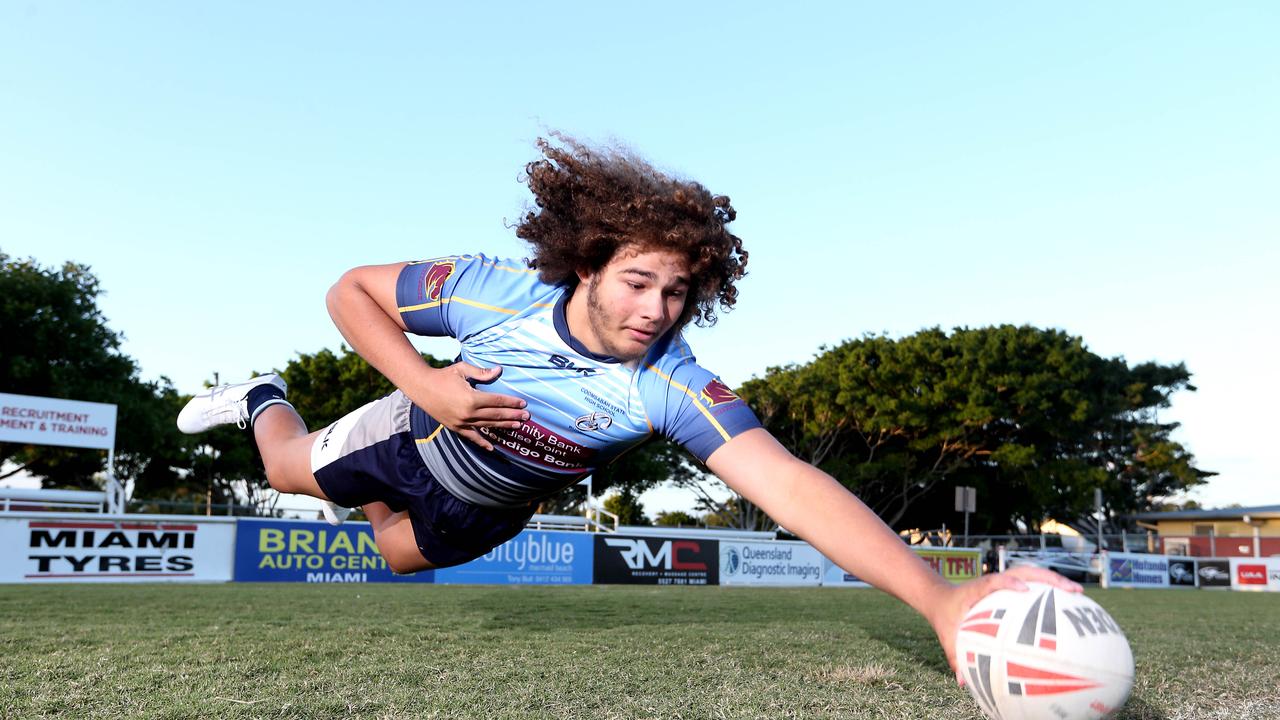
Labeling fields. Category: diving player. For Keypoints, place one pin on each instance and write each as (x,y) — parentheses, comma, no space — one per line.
(567,361)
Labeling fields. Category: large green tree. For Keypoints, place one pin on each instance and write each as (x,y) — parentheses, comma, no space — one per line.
(1029,416)
(325,385)
(57,344)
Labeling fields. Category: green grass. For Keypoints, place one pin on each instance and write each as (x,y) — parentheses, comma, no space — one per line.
(400,651)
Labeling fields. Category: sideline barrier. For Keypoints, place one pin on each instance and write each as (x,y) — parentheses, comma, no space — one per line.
(779,562)
(645,560)
(954,564)
(311,551)
(78,547)
(1182,572)
(1253,574)
(534,557)
(1136,570)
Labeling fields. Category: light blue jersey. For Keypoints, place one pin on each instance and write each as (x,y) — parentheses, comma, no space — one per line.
(584,409)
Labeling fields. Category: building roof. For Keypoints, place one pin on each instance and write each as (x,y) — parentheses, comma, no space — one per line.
(1260,512)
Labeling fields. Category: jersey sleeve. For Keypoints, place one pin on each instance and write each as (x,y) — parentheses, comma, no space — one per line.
(693,407)
(462,295)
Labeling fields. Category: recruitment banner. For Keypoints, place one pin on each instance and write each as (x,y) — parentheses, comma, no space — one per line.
(1214,573)
(954,564)
(1182,572)
(1249,574)
(1137,570)
(309,551)
(94,548)
(769,563)
(656,560)
(31,420)
(534,557)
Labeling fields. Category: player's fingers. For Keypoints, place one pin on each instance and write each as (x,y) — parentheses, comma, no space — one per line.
(496,423)
(487,416)
(496,400)
(948,646)
(478,374)
(1003,581)
(1046,576)
(475,438)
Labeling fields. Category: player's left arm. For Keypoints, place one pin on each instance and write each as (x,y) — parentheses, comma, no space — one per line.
(811,504)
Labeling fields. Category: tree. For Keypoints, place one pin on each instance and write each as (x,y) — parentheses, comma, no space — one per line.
(627,506)
(57,344)
(1031,417)
(642,468)
(676,518)
(326,385)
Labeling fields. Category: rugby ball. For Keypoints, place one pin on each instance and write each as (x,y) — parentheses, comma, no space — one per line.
(1044,653)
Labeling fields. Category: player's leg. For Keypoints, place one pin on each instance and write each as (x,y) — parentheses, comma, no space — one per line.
(285,446)
(281,436)
(394,536)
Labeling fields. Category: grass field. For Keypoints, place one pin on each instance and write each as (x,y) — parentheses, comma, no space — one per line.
(403,651)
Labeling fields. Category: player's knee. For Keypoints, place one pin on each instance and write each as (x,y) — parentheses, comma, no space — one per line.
(277,474)
(402,565)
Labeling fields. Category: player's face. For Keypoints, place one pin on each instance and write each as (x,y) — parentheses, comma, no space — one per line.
(634,300)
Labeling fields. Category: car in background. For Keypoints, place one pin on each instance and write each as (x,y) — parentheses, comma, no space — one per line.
(1080,567)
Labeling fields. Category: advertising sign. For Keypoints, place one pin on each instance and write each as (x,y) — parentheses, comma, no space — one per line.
(534,557)
(769,563)
(954,564)
(656,561)
(1214,573)
(1137,570)
(1249,573)
(315,552)
(834,576)
(30,420)
(1273,574)
(61,549)
(1182,572)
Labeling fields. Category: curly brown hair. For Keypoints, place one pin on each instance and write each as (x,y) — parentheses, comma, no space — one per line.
(591,202)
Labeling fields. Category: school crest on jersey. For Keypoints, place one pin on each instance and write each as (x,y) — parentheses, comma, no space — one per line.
(717,393)
(433,281)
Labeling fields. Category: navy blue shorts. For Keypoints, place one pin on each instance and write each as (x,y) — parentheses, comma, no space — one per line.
(370,456)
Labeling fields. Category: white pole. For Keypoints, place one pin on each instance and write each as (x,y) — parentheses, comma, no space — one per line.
(115,492)
(1097,501)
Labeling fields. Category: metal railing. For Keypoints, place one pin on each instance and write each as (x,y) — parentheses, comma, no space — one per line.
(1134,542)
(33,499)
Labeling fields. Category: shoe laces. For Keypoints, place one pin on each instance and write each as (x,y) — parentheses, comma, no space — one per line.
(234,406)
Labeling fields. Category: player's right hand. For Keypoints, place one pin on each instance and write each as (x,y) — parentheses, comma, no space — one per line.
(453,400)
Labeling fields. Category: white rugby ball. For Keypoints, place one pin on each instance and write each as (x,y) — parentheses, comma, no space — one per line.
(1044,653)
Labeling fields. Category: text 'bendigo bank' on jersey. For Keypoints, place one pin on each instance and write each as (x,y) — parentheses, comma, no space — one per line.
(541,445)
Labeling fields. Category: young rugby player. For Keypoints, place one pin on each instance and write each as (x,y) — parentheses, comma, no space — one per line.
(567,361)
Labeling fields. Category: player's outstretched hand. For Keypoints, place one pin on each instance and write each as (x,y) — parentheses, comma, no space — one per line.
(953,606)
(449,395)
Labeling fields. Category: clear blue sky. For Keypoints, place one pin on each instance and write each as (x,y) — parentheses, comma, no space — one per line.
(1110,169)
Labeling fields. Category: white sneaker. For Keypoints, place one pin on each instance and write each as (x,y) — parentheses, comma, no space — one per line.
(333,512)
(222,405)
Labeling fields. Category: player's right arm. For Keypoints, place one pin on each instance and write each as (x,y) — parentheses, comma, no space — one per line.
(363,304)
